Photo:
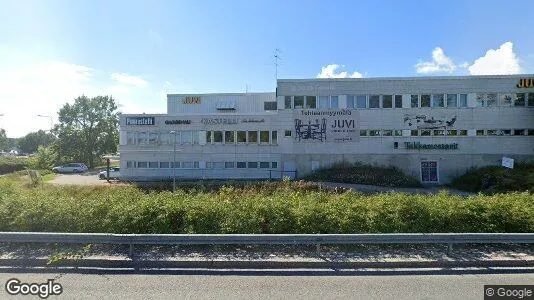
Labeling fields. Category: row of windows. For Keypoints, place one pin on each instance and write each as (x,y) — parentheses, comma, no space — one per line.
(250,137)
(416,100)
(518,132)
(450,132)
(162,138)
(196,165)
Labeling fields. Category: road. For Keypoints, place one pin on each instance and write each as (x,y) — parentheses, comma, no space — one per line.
(88,178)
(279,286)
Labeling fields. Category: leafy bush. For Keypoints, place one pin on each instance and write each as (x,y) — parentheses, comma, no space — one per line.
(286,207)
(364,174)
(44,158)
(10,164)
(497,179)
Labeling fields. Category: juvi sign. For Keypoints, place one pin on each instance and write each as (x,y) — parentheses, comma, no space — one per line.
(326,126)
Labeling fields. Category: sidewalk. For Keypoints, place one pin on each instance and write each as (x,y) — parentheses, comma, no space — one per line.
(383,189)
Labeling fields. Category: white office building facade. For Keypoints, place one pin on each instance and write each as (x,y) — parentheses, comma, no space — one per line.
(432,128)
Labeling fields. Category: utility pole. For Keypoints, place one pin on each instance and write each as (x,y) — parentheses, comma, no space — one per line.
(276,58)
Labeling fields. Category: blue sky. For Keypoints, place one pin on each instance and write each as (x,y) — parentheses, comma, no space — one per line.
(137,51)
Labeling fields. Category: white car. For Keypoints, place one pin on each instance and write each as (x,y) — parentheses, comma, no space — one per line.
(71,168)
(114,173)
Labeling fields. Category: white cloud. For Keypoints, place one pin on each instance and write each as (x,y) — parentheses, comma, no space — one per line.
(129,79)
(500,61)
(440,63)
(330,72)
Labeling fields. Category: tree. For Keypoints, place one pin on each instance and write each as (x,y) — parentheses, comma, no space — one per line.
(30,142)
(43,159)
(87,129)
(3,140)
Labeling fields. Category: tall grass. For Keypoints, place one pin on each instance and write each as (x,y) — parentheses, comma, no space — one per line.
(270,208)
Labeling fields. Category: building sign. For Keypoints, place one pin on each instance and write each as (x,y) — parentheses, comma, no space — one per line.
(217,121)
(420,146)
(508,162)
(177,122)
(191,100)
(140,121)
(253,120)
(326,125)
(428,122)
(526,83)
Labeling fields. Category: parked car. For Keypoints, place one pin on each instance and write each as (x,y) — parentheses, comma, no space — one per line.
(71,168)
(114,173)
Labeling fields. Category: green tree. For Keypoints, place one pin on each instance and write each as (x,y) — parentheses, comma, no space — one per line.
(44,158)
(3,140)
(87,129)
(30,142)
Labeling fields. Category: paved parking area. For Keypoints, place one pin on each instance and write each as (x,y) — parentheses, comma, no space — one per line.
(88,178)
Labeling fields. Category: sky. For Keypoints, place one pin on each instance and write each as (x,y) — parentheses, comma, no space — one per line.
(138,51)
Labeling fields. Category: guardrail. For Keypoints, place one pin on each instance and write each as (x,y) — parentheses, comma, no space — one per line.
(262,239)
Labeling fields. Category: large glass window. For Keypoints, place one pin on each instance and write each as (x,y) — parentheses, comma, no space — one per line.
(425,132)
(241,136)
(323,101)
(164,164)
(264,165)
(252,137)
(530,99)
(229,165)
(387,101)
(252,165)
(437,100)
(187,164)
(186,137)
(398,101)
(414,132)
(264,137)
(241,164)
(287,102)
(299,101)
(519,99)
(142,164)
(195,137)
(130,138)
(152,138)
(229,137)
(208,137)
(217,136)
(274,137)
(141,138)
(350,101)
(452,100)
(153,164)
(363,132)
(425,100)
(463,100)
(130,164)
(218,165)
(361,101)
(164,138)
(505,99)
(374,132)
(334,103)
(311,102)
(491,99)
(414,100)
(374,101)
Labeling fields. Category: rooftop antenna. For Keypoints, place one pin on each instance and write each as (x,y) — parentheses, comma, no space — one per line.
(276,58)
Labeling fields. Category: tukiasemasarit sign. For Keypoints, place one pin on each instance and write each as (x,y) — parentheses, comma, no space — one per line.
(420,146)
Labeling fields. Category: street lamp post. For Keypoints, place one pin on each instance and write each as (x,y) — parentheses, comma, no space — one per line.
(51,129)
(174,162)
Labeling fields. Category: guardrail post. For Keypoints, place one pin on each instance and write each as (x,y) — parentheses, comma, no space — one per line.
(449,249)
(132,251)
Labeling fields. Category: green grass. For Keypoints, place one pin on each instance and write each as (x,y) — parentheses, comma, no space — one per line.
(364,174)
(497,179)
(281,207)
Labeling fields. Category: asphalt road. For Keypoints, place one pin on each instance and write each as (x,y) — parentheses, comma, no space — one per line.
(221,286)
(87,178)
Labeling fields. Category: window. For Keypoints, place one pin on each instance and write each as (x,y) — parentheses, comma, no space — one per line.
(142,164)
(452,132)
(229,137)
(274,165)
(208,137)
(252,165)
(506,132)
(519,131)
(363,132)
(187,165)
(130,164)
(492,132)
(505,100)
(439,132)
(152,138)
(299,101)
(164,138)
(462,132)
(264,165)
(463,100)
(274,137)
(397,132)
(195,137)
(414,99)
(480,132)
(196,164)
(414,132)
(218,165)
(480,99)
(153,164)
(361,101)
(374,132)
(270,105)
(452,100)
(241,164)
(186,137)
(141,138)
(130,138)
(311,102)
(334,102)
(398,101)
(217,136)
(387,132)
(519,99)
(530,99)
(229,165)
(323,101)
(350,101)
(530,132)
(374,101)
(287,102)
(241,136)
(252,137)
(425,132)
(264,137)
(425,100)
(491,99)
(387,101)
(164,164)
(437,100)
(287,133)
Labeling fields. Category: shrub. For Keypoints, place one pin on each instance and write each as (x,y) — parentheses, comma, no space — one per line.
(12,164)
